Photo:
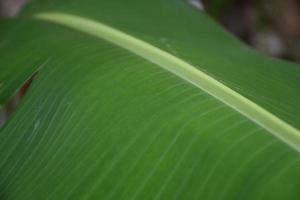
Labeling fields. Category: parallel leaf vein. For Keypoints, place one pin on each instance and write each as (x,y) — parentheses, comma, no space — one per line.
(183,69)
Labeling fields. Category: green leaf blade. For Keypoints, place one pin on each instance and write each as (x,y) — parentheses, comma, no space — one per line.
(102,122)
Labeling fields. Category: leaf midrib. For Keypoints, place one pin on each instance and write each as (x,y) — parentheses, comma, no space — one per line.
(181,68)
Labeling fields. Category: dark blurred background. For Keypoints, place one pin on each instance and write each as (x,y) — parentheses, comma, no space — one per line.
(270,26)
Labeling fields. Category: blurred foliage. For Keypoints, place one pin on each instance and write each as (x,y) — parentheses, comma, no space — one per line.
(270,26)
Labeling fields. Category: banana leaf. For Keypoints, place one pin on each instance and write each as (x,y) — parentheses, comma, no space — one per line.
(143,100)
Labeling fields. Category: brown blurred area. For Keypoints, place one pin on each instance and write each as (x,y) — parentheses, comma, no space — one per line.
(10,8)
(270,26)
